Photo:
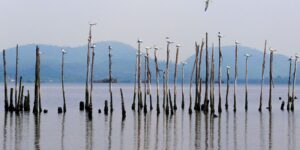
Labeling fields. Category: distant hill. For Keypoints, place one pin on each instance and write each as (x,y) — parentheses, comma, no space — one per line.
(124,63)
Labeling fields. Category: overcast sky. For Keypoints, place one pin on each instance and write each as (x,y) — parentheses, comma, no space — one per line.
(65,22)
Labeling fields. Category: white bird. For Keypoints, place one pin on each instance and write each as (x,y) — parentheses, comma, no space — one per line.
(40,53)
(247,55)
(228,67)
(220,35)
(237,42)
(63,51)
(168,40)
(297,56)
(206,4)
(291,58)
(183,63)
(93,46)
(272,49)
(178,45)
(139,41)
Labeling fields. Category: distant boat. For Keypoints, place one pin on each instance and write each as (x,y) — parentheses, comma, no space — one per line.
(106,80)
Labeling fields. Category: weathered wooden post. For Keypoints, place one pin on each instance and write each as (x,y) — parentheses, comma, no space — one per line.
(105,107)
(212,81)
(235,75)
(11,99)
(164,89)
(149,78)
(175,76)
(227,88)
(145,84)
(16,78)
(6,107)
(157,80)
(36,83)
(246,82)
(21,107)
(140,101)
(92,78)
(135,80)
(220,73)
(262,76)
(27,102)
(271,78)
(196,76)
(88,66)
(182,81)
(63,52)
(39,82)
(199,78)
(294,82)
(167,73)
(206,74)
(191,79)
(17,104)
(123,106)
(289,84)
(110,79)
(170,99)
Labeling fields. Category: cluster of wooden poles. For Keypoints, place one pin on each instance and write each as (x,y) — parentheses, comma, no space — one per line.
(169,105)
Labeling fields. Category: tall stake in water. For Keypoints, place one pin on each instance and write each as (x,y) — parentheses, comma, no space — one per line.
(182,81)
(227,88)
(271,78)
(262,76)
(135,80)
(6,107)
(175,76)
(206,74)
(235,75)
(145,84)
(212,81)
(294,82)
(149,78)
(157,80)
(16,77)
(92,78)
(88,66)
(191,79)
(167,74)
(199,78)
(36,84)
(289,84)
(246,81)
(63,52)
(140,102)
(196,78)
(110,79)
(220,73)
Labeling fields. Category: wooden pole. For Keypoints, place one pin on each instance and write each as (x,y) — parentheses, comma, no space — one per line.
(62,80)
(16,77)
(262,76)
(167,74)
(294,82)
(135,80)
(191,79)
(206,75)
(123,106)
(21,107)
(212,81)
(271,79)
(175,76)
(91,81)
(110,79)
(145,85)
(36,84)
(199,78)
(220,73)
(140,102)
(39,82)
(11,99)
(235,75)
(27,102)
(19,96)
(6,107)
(149,78)
(227,89)
(164,90)
(157,80)
(196,76)
(182,81)
(88,68)
(246,83)
(289,84)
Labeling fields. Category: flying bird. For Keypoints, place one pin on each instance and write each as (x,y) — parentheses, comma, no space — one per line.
(206,4)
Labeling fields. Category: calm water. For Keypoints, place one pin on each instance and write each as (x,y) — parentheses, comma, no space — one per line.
(240,130)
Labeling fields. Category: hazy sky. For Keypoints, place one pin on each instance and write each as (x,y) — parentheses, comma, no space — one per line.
(65,22)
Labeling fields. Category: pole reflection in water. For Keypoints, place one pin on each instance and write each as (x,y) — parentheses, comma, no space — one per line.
(197,130)
(157,132)
(262,131)
(206,131)
(175,132)
(212,130)
(37,131)
(270,130)
(246,131)
(234,132)
(227,129)
(63,131)
(4,131)
(88,133)
(219,131)
(122,134)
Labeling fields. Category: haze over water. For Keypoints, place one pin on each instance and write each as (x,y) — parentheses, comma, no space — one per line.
(241,130)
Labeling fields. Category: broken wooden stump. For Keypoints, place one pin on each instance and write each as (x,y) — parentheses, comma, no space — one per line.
(123,106)
(81,105)
(105,107)
(11,106)
(59,110)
